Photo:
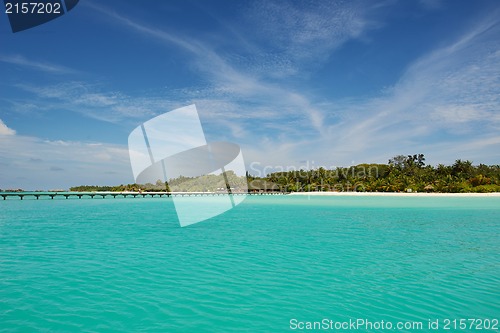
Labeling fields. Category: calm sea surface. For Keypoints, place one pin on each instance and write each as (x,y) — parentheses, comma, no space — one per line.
(270,265)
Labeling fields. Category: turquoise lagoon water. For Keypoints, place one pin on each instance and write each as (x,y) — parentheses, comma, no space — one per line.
(271,264)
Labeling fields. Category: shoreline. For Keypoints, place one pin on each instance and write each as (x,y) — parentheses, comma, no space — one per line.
(317,194)
(396,194)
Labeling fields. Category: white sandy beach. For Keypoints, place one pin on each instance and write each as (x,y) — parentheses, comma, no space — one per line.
(398,194)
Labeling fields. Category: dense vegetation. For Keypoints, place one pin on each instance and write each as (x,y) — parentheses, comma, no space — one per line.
(401,174)
(158,187)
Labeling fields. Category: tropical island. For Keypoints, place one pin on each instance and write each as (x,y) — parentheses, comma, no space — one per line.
(402,173)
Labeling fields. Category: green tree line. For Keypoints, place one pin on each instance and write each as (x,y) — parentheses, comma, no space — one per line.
(159,186)
(401,174)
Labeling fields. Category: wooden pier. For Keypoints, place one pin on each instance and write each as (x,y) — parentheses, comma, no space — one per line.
(103,195)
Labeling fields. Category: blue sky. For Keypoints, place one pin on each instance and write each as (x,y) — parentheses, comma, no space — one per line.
(294,83)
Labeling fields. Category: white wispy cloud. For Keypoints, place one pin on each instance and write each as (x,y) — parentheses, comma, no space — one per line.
(297,38)
(94,101)
(37,65)
(4,130)
(305,31)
